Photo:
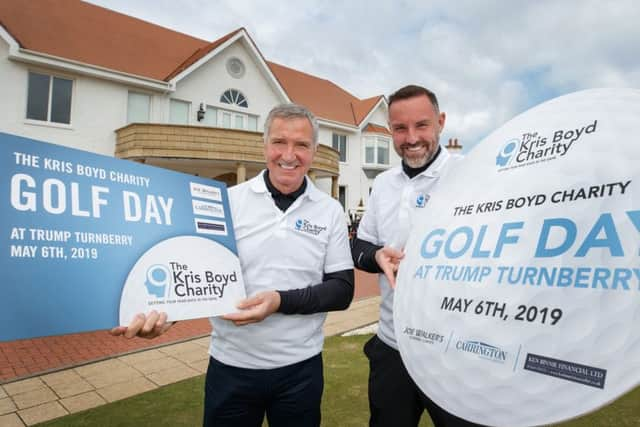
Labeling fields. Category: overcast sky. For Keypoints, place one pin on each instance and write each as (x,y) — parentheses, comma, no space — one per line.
(486,60)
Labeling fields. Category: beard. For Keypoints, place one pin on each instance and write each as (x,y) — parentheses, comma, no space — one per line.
(419,160)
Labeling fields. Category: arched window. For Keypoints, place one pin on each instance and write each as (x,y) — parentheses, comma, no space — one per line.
(234,97)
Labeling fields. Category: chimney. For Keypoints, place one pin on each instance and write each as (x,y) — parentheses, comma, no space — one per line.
(453,146)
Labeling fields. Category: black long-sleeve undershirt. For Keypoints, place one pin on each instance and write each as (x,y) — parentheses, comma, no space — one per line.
(334,293)
(364,255)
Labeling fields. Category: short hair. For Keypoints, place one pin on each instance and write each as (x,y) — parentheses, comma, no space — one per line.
(291,111)
(411,91)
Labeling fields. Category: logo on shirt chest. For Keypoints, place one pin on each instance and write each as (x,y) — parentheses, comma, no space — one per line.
(422,200)
(305,226)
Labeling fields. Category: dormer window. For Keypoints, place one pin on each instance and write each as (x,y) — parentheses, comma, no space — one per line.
(234,97)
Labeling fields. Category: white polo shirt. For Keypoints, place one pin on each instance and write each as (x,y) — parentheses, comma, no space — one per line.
(384,221)
(281,251)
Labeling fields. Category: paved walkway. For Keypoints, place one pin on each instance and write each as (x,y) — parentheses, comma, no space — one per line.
(25,358)
(41,398)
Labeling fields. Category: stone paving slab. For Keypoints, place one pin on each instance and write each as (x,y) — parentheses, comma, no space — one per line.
(176,349)
(114,376)
(201,365)
(194,356)
(42,413)
(141,357)
(7,406)
(159,365)
(99,368)
(11,420)
(203,342)
(72,388)
(2,392)
(61,377)
(126,389)
(174,375)
(34,398)
(23,386)
(82,402)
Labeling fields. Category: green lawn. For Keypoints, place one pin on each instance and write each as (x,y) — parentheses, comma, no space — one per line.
(344,402)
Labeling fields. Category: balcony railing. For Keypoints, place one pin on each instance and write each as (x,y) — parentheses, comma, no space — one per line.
(145,141)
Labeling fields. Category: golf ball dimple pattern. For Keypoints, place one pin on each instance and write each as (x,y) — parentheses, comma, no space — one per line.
(598,327)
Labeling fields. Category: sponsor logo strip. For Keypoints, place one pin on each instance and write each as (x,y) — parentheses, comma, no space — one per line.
(208,209)
(207,226)
(583,374)
(205,192)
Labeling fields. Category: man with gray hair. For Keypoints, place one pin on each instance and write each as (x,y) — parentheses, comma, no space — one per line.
(295,258)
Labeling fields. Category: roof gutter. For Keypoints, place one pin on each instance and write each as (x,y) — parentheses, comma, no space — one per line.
(337,125)
(43,59)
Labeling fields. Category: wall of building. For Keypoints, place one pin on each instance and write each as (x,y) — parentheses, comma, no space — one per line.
(98,108)
(208,82)
(350,170)
(379,116)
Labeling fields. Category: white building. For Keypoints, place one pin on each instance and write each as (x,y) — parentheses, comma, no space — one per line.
(87,77)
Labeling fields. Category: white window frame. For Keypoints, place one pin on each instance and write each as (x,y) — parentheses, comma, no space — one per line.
(239,96)
(189,108)
(48,121)
(149,109)
(233,117)
(346,150)
(376,139)
(208,114)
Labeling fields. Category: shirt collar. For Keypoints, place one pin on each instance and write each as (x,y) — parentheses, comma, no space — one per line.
(259,186)
(434,168)
(277,193)
(411,172)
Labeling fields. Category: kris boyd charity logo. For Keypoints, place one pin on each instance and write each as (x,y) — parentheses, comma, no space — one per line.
(306,227)
(422,200)
(533,147)
(178,282)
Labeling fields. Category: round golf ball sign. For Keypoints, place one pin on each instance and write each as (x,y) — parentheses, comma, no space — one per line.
(518,299)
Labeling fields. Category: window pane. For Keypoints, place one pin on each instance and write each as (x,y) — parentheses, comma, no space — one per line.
(343,148)
(226,120)
(339,142)
(61,100)
(369,151)
(232,96)
(342,195)
(239,122)
(179,112)
(253,123)
(38,97)
(138,108)
(369,155)
(211,117)
(383,152)
(242,101)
